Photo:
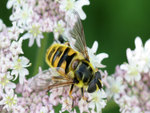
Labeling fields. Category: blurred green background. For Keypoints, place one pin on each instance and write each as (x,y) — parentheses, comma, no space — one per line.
(113,23)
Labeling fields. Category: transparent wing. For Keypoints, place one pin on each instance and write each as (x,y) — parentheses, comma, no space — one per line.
(78,38)
(47,80)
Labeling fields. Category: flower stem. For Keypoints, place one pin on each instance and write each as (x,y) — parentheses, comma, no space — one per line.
(40,54)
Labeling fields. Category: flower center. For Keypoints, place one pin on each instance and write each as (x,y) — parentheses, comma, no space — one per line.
(4,80)
(35,30)
(133,71)
(115,89)
(18,65)
(19,1)
(24,15)
(10,101)
(69,5)
(59,29)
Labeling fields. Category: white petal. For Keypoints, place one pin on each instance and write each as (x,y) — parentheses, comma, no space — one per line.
(21,79)
(31,41)
(94,47)
(24,61)
(38,42)
(102,56)
(78,7)
(147,45)
(129,55)
(138,43)
(14,72)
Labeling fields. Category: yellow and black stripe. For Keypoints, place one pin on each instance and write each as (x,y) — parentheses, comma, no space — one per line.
(59,55)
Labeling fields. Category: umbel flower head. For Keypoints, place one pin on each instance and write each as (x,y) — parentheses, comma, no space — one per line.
(132,94)
(30,19)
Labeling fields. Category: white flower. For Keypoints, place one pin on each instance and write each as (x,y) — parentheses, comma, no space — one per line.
(14,31)
(96,59)
(1,25)
(66,104)
(19,109)
(98,101)
(140,57)
(142,54)
(83,106)
(115,86)
(44,109)
(15,3)
(4,41)
(9,100)
(22,15)
(34,34)
(71,5)
(5,82)
(59,28)
(5,62)
(19,68)
(16,47)
(132,72)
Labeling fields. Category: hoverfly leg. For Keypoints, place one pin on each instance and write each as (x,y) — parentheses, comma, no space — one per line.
(82,93)
(70,92)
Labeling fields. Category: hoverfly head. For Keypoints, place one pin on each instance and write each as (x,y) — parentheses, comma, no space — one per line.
(96,83)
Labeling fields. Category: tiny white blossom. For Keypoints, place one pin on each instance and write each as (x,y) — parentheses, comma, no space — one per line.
(59,28)
(142,55)
(22,15)
(16,47)
(71,5)
(14,3)
(132,73)
(5,82)
(115,86)
(96,59)
(83,106)
(4,41)
(18,109)
(98,101)
(5,63)
(9,100)
(34,34)
(14,31)
(19,68)
(66,104)
(44,109)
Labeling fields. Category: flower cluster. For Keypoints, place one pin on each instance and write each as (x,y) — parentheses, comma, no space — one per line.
(30,18)
(36,17)
(130,85)
(12,65)
(39,100)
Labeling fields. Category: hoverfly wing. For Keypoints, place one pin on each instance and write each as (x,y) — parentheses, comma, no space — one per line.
(41,80)
(77,33)
(48,79)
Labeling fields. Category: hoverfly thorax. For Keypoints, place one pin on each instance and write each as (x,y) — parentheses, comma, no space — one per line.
(95,84)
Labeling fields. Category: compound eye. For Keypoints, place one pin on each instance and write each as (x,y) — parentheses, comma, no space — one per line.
(92,86)
(75,64)
(98,75)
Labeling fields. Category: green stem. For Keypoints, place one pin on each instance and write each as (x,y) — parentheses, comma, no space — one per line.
(40,54)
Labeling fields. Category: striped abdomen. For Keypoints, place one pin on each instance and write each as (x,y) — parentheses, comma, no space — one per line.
(60,56)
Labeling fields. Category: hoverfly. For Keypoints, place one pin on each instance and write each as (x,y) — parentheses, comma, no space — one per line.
(72,65)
